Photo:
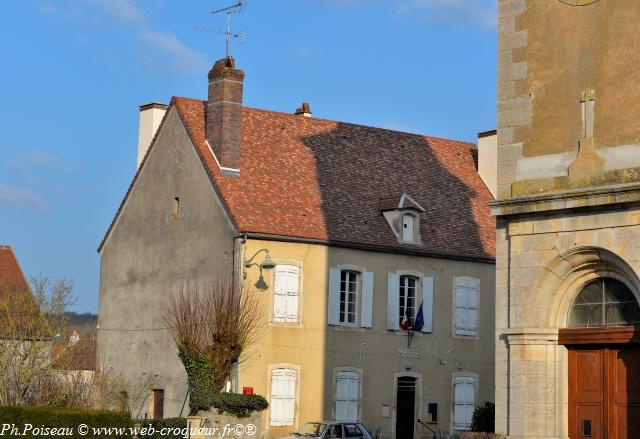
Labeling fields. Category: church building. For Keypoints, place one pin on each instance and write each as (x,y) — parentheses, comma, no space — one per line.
(568,247)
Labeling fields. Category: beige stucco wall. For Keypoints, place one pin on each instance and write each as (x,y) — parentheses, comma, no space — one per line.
(317,349)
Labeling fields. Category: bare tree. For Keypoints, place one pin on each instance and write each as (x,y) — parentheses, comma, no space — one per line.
(28,322)
(212,328)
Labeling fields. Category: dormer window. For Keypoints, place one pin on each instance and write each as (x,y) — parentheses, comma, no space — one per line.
(403,215)
(407,227)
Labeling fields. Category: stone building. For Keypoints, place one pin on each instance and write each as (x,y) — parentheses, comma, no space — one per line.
(365,225)
(568,234)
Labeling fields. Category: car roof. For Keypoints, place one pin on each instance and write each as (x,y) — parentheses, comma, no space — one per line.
(333,422)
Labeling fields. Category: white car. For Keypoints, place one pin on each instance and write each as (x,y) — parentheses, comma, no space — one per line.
(332,430)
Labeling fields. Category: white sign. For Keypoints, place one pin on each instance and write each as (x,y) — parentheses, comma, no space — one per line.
(408,353)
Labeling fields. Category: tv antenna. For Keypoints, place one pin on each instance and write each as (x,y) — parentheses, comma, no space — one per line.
(237,7)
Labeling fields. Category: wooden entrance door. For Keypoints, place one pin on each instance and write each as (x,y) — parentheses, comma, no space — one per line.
(604,392)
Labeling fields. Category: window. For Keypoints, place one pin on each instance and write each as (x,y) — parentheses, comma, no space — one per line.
(466,296)
(407,299)
(335,431)
(409,291)
(604,302)
(464,396)
(176,206)
(352,430)
(286,293)
(157,404)
(283,396)
(407,227)
(348,296)
(347,396)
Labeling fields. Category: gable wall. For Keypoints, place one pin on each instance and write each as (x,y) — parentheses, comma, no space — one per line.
(148,255)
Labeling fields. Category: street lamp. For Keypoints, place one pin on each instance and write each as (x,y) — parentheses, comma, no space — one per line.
(267,264)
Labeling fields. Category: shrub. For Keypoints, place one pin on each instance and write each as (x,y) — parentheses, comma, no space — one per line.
(484,418)
(49,417)
(234,404)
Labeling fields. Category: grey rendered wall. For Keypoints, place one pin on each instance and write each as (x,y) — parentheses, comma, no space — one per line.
(149,254)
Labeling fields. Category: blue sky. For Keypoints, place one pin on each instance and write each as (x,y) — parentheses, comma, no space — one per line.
(75,71)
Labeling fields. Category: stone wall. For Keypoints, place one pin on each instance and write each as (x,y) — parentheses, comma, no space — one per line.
(543,261)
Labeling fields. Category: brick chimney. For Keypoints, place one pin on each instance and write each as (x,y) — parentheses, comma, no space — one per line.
(304,110)
(224,114)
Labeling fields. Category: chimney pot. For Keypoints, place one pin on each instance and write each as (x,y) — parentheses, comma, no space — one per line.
(150,117)
(224,114)
(304,110)
(74,337)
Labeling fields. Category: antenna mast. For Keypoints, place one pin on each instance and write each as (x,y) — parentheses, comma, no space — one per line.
(230,10)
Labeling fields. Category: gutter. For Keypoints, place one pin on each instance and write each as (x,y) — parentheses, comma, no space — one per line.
(369,247)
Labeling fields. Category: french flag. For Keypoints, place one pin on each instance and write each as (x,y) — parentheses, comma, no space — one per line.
(405,320)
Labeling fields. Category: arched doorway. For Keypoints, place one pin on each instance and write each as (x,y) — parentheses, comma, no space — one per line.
(603,345)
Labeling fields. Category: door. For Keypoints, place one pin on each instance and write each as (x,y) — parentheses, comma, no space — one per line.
(586,393)
(604,392)
(624,393)
(405,407)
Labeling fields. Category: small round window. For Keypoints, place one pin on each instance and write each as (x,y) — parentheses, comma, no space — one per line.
(604,302)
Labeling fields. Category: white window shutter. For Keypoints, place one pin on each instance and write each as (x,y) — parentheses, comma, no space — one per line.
(291,308)
(366,318)
(464,402)
(393,301)
(347,396)
(473,302)
(276,405)
(286,292)
(290,408)
(341,398)
(427,303)
(279,296)
(460,319)
(333,307)
(293,279)
(283,396)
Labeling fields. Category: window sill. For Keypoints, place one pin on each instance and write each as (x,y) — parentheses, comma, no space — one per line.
(286,324)
(466,337)
(404,333)
(349,328)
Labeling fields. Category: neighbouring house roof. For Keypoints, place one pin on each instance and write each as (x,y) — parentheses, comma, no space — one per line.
(77,356)
(11,277)
(324,180)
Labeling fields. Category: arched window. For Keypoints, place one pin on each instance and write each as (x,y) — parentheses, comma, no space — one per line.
(604,302)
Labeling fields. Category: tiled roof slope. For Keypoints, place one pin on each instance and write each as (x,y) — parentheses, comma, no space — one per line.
(11,277)
(324,180)
(80,356)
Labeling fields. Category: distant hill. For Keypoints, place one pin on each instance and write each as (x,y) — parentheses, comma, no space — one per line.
(84,323)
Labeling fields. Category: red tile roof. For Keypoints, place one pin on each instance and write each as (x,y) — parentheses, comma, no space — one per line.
(79,356)
(11,277)
(324,180)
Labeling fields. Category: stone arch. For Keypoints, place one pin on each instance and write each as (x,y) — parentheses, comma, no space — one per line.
(565,276)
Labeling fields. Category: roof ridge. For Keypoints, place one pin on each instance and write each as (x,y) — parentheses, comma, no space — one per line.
(321,119)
